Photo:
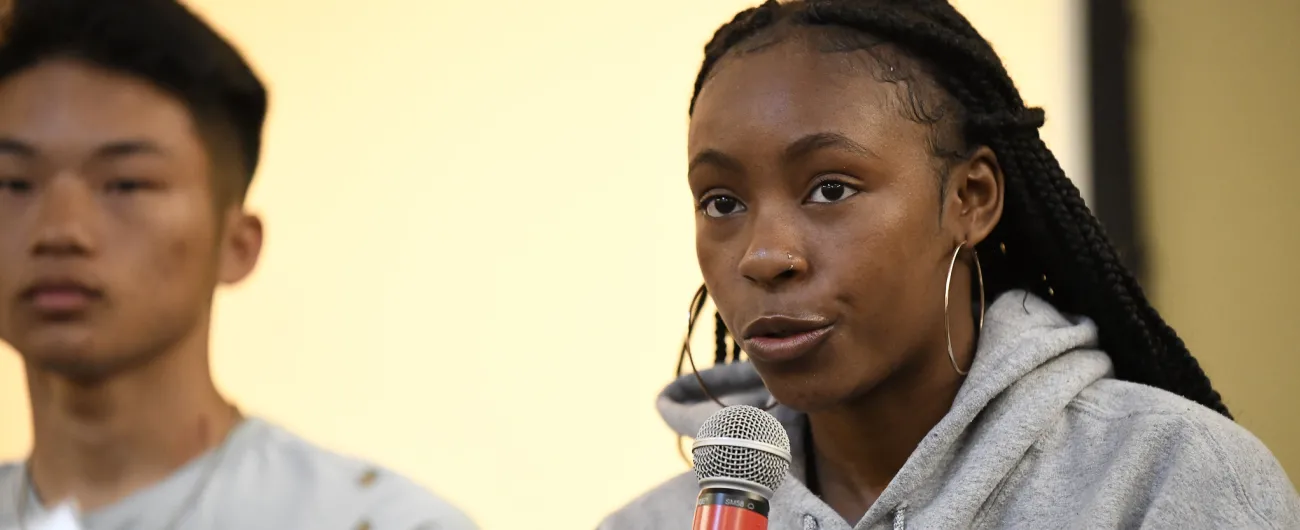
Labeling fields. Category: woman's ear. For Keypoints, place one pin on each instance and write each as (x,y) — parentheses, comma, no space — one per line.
(977,185)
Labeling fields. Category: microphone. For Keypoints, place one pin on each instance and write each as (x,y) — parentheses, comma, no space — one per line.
(741,457)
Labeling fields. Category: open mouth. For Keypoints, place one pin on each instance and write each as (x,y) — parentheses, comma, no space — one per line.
(786,333)
(777,338)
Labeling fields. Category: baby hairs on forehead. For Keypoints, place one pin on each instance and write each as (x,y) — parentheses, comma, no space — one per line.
(1047,242)
(915,95)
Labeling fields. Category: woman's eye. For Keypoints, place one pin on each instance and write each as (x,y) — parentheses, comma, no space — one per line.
(722,206)
(831,192)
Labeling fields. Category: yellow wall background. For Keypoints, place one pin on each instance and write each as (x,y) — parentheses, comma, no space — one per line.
(1219,115)
(480,243)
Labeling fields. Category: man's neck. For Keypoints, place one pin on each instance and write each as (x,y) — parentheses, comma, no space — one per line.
(98,443)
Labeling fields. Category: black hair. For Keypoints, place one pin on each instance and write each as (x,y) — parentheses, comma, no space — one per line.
(160,41)
(1048,241)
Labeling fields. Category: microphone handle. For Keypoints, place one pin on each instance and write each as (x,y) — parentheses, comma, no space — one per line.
(730,509)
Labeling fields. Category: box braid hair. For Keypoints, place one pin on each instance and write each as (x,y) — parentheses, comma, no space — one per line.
(1046,231)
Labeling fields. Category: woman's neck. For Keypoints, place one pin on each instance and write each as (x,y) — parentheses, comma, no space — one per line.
(99,442)
(858,448)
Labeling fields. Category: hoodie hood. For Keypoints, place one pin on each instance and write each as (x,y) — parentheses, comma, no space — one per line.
(1030,362)
(1039,436)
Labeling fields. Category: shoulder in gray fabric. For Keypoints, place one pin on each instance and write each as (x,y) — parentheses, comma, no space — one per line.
(268,479)
(1059,443)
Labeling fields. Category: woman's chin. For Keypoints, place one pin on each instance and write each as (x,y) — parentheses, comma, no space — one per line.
(809,393)
(818,390)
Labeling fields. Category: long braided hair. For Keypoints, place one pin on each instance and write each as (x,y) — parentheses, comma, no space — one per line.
(1048,241)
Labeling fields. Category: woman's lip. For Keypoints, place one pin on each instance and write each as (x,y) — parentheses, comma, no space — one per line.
(772,349)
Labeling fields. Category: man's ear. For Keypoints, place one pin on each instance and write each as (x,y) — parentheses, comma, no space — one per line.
(241,246)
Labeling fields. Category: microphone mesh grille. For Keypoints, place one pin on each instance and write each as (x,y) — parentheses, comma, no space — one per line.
(744,463)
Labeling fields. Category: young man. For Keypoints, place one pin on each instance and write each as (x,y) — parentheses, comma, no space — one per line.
(129,133)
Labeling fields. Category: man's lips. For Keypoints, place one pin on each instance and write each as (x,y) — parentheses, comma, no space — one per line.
(57,297)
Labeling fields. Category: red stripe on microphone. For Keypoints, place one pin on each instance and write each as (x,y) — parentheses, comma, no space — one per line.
(716,517)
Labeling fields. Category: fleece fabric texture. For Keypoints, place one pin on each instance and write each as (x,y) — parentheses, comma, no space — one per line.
(1040,436)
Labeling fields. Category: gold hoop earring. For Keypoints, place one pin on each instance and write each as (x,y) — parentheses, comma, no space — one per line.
(947,288)
(686,357)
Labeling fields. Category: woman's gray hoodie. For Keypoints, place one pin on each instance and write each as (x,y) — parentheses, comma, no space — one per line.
(1040,436)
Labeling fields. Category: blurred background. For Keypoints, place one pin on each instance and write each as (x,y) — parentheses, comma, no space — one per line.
(480,242)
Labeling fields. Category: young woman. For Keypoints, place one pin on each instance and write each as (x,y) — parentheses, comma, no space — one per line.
(867,178)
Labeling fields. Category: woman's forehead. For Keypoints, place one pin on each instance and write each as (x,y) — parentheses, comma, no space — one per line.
(789,90)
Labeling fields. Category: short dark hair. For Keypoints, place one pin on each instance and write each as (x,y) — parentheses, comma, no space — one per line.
(1048,241)
(160,41)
